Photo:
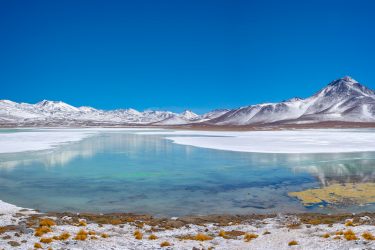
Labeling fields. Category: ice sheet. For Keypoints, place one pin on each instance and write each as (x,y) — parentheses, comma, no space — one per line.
(292,141)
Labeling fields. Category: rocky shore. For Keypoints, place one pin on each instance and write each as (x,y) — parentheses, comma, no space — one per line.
(28,229)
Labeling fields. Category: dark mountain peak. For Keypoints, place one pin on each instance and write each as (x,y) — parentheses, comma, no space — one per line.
(346,86)
(346,80)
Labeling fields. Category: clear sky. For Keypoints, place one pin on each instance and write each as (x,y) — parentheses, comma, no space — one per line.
(180,54)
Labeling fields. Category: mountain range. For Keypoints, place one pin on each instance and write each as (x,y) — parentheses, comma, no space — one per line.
(343,100)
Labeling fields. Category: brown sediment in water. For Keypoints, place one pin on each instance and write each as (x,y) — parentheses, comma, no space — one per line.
(346,193)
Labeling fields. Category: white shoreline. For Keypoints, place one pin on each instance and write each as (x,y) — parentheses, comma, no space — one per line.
(47,138)
(278,235)
(286,141)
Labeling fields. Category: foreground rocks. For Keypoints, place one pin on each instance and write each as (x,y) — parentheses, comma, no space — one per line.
(27,229)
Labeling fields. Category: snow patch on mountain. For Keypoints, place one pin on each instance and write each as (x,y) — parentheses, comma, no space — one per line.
(342,100)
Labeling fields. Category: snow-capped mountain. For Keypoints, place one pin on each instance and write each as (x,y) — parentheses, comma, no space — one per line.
(342,100)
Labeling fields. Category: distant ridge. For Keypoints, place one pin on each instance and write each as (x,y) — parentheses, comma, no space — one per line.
(343,100)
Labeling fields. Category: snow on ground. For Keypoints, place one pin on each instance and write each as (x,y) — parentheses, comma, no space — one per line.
(41,139)
(38,140)
(8,212)
(288,141)
(270,233)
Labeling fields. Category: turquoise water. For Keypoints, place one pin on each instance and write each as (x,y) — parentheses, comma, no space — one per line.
(126,172)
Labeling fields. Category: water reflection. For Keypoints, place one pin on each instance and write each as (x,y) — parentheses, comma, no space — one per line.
(121,171)
(343,171)
(118,143)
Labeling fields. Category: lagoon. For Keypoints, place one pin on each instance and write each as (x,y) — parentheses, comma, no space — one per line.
(128,171)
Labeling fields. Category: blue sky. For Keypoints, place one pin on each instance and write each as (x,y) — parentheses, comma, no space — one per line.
(181,54)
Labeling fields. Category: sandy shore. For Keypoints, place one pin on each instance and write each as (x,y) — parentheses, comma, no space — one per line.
(28,229)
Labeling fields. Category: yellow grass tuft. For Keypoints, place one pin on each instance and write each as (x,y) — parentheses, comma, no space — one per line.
(47,223)
(339,233)
(138,235)
(115,222)
(349,223)
(326,235)
(202,237)
(350,235)
(222,233)
(292,243)
(81,235)
(295,225)
(165,244)
(337,237)
(64,236)
(368,236)
(82,223)
(92,232)
(46,240)
(38,245)
(152,237)
(40,231)
(249,236)
(104,235)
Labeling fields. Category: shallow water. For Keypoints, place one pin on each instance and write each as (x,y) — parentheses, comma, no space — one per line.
(120,171)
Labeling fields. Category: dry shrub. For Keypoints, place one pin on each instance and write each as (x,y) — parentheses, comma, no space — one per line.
(337,237)
(165,244)
(249,236)
(349,223)
(81,235)
(202,237)
(234,233)
(292,243)
(295,225)
(314,222)
(266,232)
(138,235)
(92,232)
(339,232)
(46,240)
(47,223)
(115,222)
(368,236)
(222,233)
(104,235)
(93,237)
(350,235)
(82,223)
(152,237)
(326,235)
(64,236)
(40,231)
(38,245)
(139,224)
